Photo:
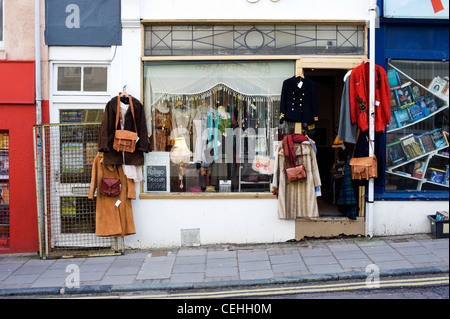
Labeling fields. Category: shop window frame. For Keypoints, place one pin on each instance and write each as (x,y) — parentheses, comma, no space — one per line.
(411,195)
(302,62)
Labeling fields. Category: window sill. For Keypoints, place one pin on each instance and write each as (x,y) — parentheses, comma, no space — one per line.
(207,196)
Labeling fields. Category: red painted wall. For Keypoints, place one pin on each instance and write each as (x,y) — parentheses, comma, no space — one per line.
(17,116)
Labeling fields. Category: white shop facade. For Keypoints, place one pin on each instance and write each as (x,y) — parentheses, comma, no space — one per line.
(179,57)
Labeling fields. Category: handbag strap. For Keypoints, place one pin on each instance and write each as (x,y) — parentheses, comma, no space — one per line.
(357,137)
(118,110)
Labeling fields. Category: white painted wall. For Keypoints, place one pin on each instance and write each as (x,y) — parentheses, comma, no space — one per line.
(159,222)
(404,217)
(340,10)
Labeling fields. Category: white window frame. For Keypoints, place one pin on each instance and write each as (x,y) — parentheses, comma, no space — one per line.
(82,66)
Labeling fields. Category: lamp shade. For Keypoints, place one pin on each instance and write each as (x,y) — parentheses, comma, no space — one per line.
(180,152)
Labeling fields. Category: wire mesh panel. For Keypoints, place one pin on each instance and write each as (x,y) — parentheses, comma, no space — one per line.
(4,189)
(64,157)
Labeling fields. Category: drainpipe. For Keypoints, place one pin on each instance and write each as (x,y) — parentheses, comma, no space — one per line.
(38,132)
(370,202)
(37,34)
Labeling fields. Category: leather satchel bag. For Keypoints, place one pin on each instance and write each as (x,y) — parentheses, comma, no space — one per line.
(110,186)
(296,172)
(125,140)
(363,167)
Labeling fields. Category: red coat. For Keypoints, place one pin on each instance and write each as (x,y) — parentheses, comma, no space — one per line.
(359,97)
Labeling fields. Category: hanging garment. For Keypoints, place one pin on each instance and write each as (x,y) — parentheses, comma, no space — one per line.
(297,199)
(299,102)
(200,133)
(359,97)
(112,218)
(161,133)
(107,131)
(347,202)
(347,129)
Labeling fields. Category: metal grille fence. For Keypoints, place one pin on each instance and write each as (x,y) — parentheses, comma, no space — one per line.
(64,154)
(4,189)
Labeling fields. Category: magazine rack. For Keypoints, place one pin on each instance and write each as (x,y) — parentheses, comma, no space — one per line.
(410,154)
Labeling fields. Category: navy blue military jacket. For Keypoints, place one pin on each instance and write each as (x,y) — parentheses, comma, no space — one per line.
(299,104)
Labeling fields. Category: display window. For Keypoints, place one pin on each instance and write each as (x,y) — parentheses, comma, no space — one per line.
(417,138)
(4,189)
(213,126)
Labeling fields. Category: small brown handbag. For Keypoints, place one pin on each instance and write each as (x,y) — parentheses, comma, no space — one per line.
(124,140)
(296,172)
(363,167)
(110,186)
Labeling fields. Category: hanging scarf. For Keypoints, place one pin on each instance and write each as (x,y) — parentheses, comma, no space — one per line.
(288,146)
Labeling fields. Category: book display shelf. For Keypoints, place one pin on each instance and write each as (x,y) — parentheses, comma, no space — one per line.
(417,141)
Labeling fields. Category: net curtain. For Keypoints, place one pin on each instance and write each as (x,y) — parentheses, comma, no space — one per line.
(196,80)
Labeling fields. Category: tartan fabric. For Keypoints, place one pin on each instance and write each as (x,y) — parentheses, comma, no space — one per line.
(347,202)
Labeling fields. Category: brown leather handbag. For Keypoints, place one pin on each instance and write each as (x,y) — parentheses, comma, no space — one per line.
(124,140)
(363,167)
(110,186)
(296,172)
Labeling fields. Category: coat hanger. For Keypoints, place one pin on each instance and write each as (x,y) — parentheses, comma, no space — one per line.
(124,97)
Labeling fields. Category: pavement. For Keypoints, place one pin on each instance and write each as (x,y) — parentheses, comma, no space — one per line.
(225,265)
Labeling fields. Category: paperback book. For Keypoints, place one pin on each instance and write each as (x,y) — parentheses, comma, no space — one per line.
(426,142)
(402,116)
(419,169)
(395,153)
(411,146)
(438,138)
(416,112)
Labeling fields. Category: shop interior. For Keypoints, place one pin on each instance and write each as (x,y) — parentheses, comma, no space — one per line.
(330,155)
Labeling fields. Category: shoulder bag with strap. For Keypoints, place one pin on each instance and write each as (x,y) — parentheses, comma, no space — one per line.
(296,172)
(363,167)
(124,140)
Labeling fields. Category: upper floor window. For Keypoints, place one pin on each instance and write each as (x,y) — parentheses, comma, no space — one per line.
(82,79)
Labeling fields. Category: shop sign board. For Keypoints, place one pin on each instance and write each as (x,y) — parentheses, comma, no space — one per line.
(83,22)
(279,10)
(416,9)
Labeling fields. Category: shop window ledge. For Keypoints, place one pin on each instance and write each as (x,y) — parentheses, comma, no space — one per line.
(207,196)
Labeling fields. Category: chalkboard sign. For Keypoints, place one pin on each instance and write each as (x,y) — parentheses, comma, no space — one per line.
(156,178)
(157,172)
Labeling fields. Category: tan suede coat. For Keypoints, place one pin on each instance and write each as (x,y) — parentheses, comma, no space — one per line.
(112,220)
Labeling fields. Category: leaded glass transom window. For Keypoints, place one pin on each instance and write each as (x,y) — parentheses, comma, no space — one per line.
(203,40)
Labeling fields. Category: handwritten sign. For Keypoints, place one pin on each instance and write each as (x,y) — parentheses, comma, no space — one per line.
(157,172)
(156,178)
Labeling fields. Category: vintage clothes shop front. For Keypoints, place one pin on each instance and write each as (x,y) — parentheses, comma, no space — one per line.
(221,89)
(217,111)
